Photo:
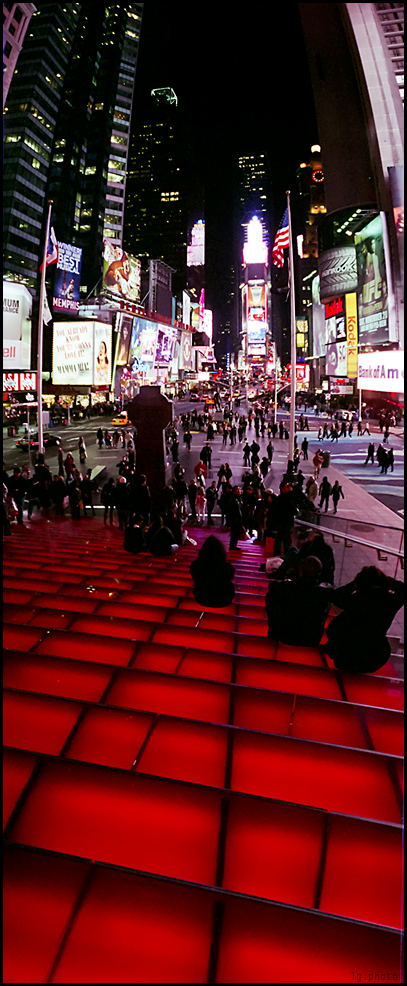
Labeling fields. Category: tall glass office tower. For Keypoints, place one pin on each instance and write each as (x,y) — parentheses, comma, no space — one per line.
(67,125)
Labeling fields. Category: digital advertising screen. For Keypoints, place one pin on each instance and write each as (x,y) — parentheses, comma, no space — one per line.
(318,321)
(196,249)
(121,273)
(381,371)
(67,279)
(372,285)
(124,324)
(165,348)
(102,367)
(337,359)
(143,344)
(72,353)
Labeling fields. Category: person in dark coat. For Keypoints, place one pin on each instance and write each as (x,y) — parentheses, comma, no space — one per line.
(17,487)
(370,454)
(160,540)
(325,492)
(234,517)
(121,500)
(192,491)
(99,437)
(337,492)
(211,498)
(316,545)
(58,494)
(285,513)
(74,493)
(298,607)
(357,638)
(213,575)
(134,539)
(107,499)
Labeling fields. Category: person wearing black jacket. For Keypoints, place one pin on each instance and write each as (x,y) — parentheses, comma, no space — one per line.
(213,575)
(317,546)
(357,638)
(234,517)
(298,607)
(285,513)
(211,498)
(17,487)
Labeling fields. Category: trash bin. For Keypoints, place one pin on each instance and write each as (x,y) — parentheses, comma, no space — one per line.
(11,431)
(326,459)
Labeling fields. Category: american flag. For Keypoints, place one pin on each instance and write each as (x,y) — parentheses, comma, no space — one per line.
(52,249)
(281,241)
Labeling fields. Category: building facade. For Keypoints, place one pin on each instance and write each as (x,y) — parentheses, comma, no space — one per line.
(355,54)
(67,125)
(16,18)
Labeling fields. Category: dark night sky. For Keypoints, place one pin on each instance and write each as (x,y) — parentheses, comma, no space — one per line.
(242,82)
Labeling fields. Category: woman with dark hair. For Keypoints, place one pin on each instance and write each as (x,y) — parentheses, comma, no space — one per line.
(213,575)
(357,638)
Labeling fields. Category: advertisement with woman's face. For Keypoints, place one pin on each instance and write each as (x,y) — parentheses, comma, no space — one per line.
(103,354)
(336,359)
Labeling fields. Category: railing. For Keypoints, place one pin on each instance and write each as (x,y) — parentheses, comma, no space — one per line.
(383,541)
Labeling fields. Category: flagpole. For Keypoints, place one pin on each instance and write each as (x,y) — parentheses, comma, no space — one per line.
(293,336)
(41,335)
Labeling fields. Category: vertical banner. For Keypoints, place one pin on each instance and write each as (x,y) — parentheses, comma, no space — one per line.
(352,333)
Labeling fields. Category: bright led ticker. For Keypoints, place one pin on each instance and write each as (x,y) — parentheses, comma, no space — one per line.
(255,251)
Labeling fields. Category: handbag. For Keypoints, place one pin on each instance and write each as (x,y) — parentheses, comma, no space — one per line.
(65,502)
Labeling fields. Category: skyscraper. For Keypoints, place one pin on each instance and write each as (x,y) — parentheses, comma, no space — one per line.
(16,18)
(157,206)
(67,125)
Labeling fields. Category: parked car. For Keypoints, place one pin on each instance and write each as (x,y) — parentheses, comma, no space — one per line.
(48,440)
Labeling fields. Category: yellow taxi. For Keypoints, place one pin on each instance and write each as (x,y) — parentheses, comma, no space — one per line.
(120,420)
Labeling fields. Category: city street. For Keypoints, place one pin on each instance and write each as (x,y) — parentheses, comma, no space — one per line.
(347,455)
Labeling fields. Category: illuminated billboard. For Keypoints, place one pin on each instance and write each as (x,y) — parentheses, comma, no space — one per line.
(352,333)
(383,371)
(67,279)
(337,359)
(165,346)
(255,251)
(124,324)
(102,353)
(17,309)
(82,353)
(337,272)
(143,344)
(121,273)
(372,285)
(196,250)
(318,321)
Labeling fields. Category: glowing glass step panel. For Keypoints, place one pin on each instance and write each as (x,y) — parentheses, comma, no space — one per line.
(65,678)
(363,871)
(349,781)
(32,722)
(124,819)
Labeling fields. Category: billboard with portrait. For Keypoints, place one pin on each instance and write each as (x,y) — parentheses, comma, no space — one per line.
(337,359)
(372,285)
(124,324)
(102,354)
(318,321)
(82,353)
(121,273)
(67,279)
